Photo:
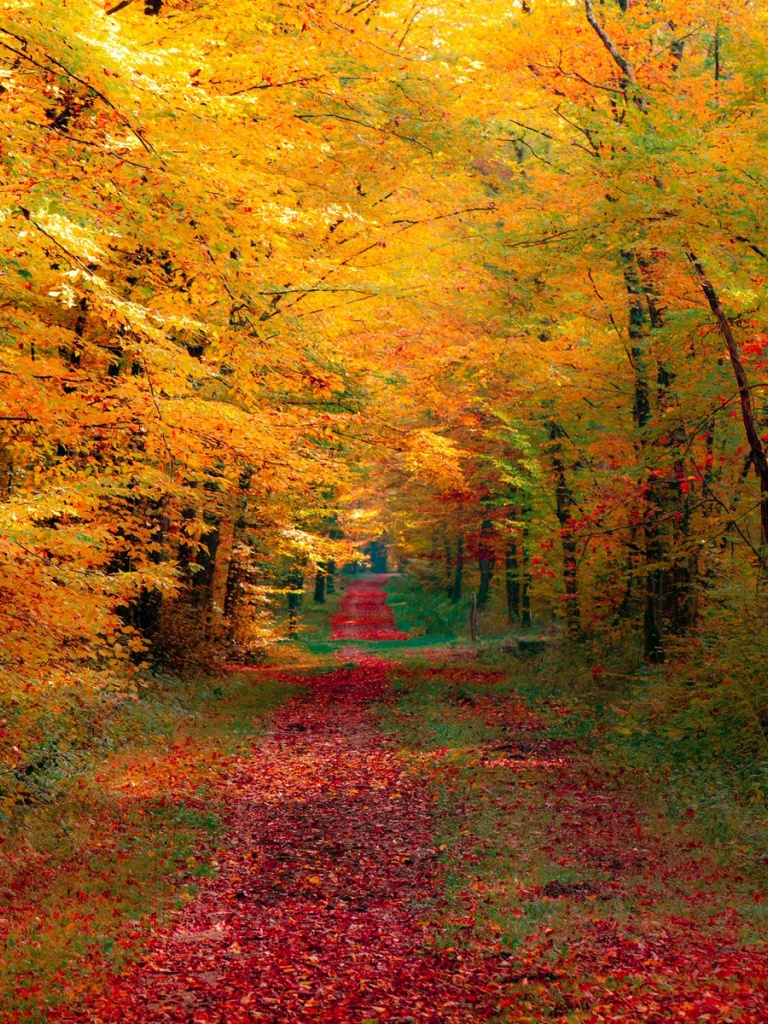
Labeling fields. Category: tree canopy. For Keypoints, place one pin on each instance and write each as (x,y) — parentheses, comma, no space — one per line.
(281,279)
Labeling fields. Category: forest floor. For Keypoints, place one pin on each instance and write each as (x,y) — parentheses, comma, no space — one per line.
(413,842)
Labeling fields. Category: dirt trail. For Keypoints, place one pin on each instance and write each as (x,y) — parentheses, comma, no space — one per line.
(330,870)
(364,613)
(316,912)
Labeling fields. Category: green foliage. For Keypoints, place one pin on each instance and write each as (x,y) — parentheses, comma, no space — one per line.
(421,611)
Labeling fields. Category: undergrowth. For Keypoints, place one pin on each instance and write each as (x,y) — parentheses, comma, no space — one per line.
(102,845)
(691,731)
(422,612)
(492,829)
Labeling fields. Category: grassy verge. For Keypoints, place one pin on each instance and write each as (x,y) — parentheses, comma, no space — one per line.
(691,731)
(123,841)
(542,797)
(314,626)
(492,841)
(314,631)
(674,732)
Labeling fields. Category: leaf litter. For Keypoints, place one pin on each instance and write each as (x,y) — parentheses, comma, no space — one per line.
(324,905)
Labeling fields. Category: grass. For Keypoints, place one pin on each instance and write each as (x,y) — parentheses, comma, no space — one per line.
(314,628)
(314,618)
(507,835)
(682,731)
(492,830)
(123,842)
(420,611)
(527,854)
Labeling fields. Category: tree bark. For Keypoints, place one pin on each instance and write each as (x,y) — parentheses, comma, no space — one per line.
(221,563)
(458,571)
(485,564)
(757,451)
(678,581)
(653,629)
(525,604)
(621,62)
(526,620)
(512,566)
(295,583)
(563,507)
(320,581)
(234,586)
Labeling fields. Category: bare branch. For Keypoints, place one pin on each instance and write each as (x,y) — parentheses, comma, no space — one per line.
(639,99)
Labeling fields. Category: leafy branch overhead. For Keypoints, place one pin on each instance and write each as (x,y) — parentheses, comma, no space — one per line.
(280,282)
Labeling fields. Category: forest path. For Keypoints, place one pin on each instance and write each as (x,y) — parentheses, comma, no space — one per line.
(364,614)
(316,913)
(331,878)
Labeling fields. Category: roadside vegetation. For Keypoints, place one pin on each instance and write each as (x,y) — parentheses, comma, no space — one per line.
(106,843)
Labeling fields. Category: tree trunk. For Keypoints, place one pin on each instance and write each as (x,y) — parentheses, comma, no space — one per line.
(526,620)
(653,632)
(680,587)
(513,581)
(653,637)
(563,506)
(330,577)
(525,602)
(294,601)
(486,571)
(624,611)
(473,618)
(221,563)
(320,581)
(295,594)
(456,587)
(234,586)
(637,338)
(485,564)
(757,451)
